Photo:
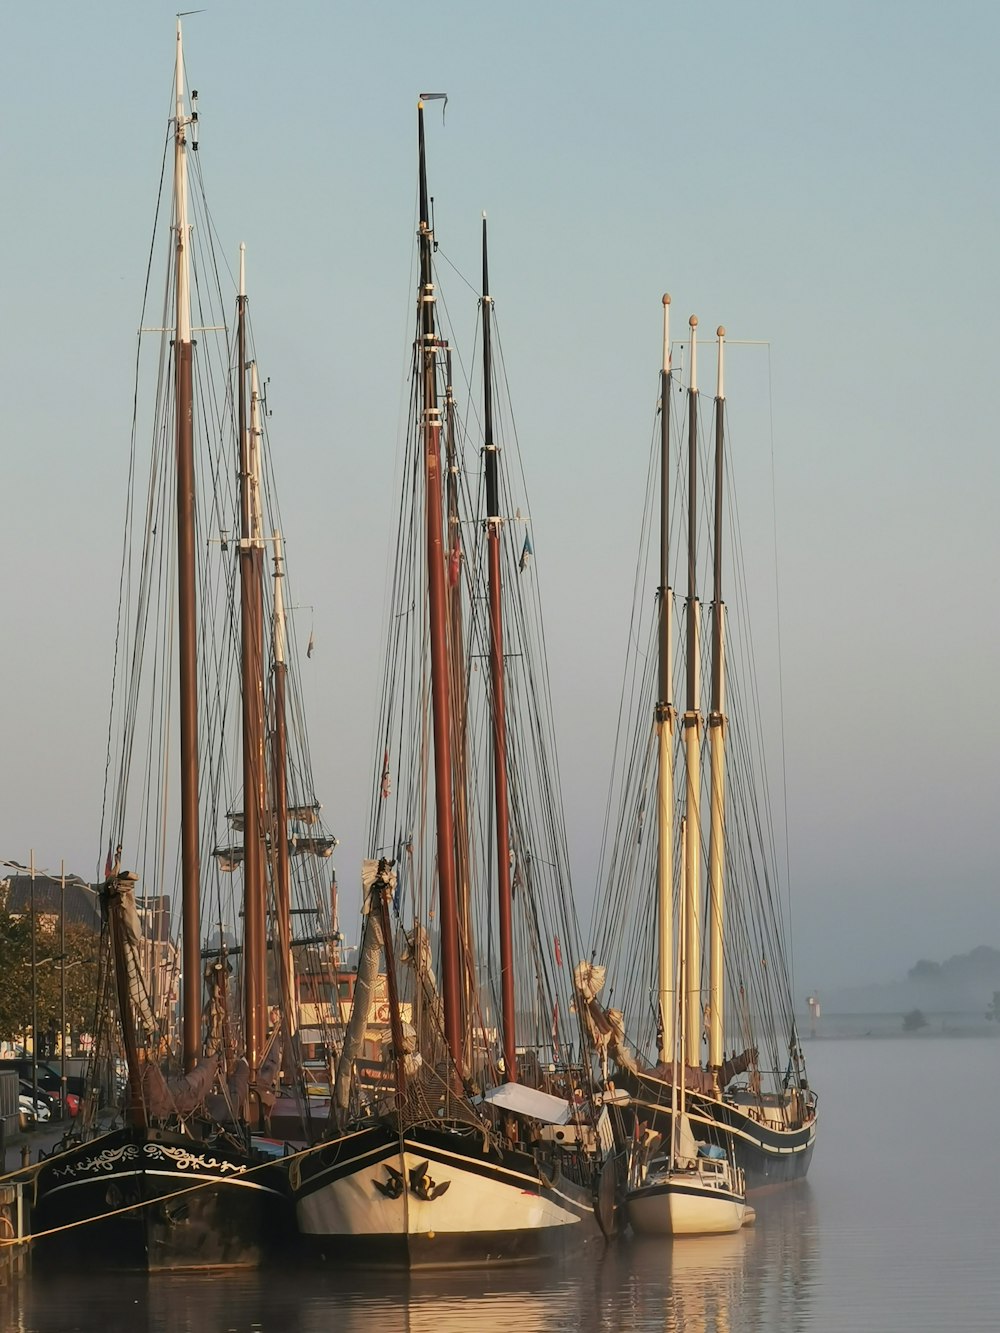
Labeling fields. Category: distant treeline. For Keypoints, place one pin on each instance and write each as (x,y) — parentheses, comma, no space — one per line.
(979,964)
(965,983)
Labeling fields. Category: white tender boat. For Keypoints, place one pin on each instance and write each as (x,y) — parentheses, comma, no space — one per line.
(697,1195)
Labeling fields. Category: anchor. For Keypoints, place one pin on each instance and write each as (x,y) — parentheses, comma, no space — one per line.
(391,1188)
(423,1186)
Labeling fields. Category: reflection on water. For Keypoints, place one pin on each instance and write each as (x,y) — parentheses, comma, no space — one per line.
(895,1230)
(718,1284)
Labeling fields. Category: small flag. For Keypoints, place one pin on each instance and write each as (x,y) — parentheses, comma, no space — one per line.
(455,564)
(107,864)
(558,951)
(527,551)
(309,650)
(386,780)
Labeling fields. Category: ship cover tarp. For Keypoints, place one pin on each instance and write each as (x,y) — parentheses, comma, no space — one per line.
(530,1102)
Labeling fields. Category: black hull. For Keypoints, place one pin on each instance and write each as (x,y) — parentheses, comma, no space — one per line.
(768,1156)
(152,1201)
(425,1253)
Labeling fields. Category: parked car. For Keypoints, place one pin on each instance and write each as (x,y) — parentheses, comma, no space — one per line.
(48,1076)
(31,1112)
(52,1100)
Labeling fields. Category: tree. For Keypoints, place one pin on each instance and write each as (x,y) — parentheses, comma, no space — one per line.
(914,1021)
(82,947)
(924,968)
(15,968)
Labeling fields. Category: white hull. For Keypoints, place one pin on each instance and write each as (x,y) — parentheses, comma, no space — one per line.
(422,1204)
(682,1203)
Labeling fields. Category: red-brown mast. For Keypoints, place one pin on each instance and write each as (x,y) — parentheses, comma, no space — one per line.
(438,606)
(459,708)
(494,524)
(251,641)
(279,800)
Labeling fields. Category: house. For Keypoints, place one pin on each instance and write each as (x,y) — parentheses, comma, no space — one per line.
(83,906)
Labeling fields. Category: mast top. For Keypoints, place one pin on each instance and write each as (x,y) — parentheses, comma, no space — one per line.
(666,336)
(179,86)
(243,268)
(486,268)
(693,323)
(183,274)
(720,333)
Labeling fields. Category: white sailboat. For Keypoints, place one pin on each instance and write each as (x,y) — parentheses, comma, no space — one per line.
(693,1189)
(743,1078)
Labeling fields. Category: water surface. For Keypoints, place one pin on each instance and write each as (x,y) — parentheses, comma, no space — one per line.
(895,1230)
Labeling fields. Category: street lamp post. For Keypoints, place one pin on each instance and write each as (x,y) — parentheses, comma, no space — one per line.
(62,989)
(34,990)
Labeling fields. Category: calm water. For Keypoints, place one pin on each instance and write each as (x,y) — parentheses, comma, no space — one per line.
(897,1229)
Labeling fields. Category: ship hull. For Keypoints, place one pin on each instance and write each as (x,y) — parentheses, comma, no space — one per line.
(433,1199)
(151,1201)
(679,1205)
(769,1154)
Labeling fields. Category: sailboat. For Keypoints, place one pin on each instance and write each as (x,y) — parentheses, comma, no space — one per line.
(747,1091)
(692,1189)
(477,1147)
(177,1184)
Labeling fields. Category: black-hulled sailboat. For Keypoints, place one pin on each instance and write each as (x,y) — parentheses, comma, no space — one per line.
(179,1184)
(743,1075)
(477,1149)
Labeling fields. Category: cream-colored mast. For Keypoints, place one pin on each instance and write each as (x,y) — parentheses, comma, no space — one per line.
(665,713)
(680,1077)
(717,747)
(187,593)
(692,741)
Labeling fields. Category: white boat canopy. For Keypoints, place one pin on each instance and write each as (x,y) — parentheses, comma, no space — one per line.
(530,1102)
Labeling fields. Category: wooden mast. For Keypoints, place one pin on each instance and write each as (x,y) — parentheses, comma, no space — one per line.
(692,739)
(679,1080)
(664,716)
(187,629)
(279,801)
(459,708)
(494,525)
(254,915)
(438,612)
(717,747)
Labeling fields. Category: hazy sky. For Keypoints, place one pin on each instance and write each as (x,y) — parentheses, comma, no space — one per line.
(822,177)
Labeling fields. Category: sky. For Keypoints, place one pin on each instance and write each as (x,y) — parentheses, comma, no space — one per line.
(821,179)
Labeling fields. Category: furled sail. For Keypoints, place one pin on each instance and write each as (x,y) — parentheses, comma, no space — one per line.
(376,877)
(181,1095)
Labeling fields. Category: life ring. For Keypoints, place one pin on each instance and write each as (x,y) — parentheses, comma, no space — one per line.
(382,1013)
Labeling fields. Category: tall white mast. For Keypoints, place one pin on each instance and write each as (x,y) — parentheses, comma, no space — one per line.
(665,713)
(678,1090)
(181,122)
(187,615)
(717,747)
(692,738)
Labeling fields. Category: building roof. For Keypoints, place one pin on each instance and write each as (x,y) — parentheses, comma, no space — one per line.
(83,906)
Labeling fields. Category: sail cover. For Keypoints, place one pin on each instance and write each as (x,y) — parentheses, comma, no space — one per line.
(530,1102)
